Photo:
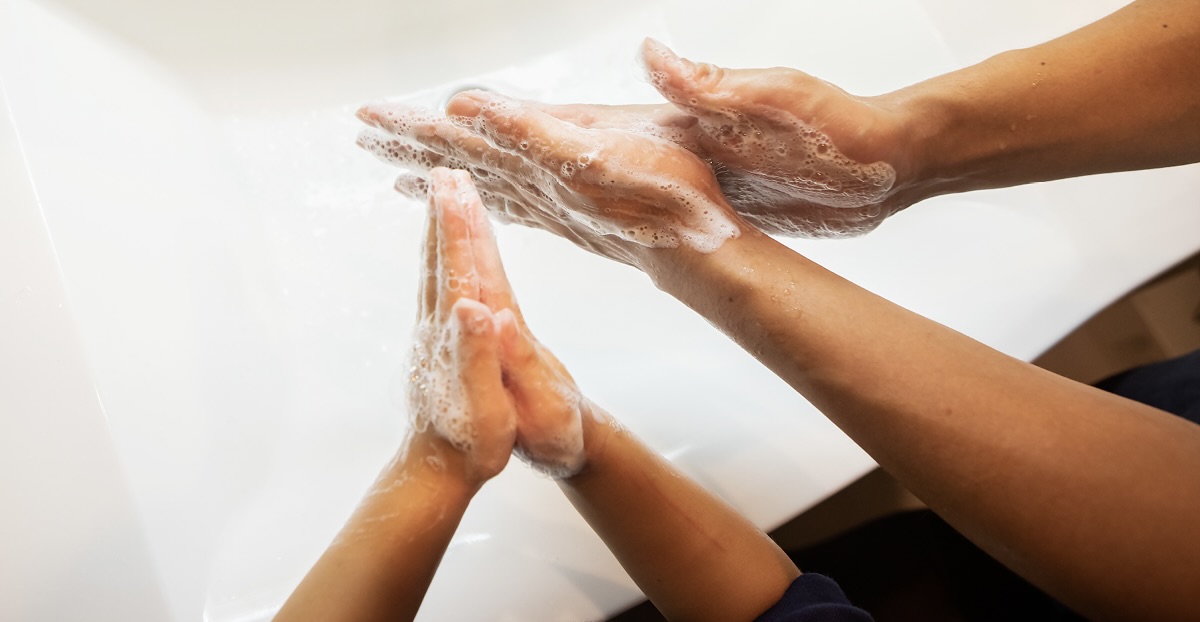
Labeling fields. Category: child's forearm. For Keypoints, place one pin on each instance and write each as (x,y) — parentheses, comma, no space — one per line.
(381,563)
(695,557)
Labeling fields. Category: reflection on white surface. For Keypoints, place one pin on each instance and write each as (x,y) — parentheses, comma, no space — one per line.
(239,283)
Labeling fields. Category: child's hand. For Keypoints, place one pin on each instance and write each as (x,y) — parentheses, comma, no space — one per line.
(456,393)
(549,432)
(481,382)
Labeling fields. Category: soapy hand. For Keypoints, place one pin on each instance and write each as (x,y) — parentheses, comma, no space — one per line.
(455,391)
(464,271)
(794,155)
(610,191)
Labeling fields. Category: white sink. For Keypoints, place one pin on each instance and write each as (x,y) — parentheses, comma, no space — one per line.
(206,290)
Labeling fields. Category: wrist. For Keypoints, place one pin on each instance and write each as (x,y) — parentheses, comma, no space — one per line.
(700,278)
(597,427)
(429,459)
(931,138)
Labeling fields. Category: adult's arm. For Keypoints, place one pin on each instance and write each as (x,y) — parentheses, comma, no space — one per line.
(798,156)
(1120,94)
(1093,497)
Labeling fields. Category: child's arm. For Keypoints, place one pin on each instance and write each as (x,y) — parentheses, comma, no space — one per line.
(692,554)
(381,563)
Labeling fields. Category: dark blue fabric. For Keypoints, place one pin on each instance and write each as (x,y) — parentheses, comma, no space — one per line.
(1172,385)
(814,598)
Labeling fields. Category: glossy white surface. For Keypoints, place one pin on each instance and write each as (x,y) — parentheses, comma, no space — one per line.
(206,290)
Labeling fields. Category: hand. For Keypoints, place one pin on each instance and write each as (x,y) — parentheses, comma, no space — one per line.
(794,155)
(456,393)
(549,406)
(609,191)
(463,268)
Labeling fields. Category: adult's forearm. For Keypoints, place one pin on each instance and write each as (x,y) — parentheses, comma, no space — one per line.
(1120,94)
(1090,496)
(695,557)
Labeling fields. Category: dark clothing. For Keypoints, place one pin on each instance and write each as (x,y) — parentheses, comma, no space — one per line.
(814,598)
(914,566)
(1172,385)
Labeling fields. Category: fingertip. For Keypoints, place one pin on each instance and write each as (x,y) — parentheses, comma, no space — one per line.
(412,186)
(661,62)
(441,188)
(655,51)
(366,114)
(473,318)
(441,177)
(506,323)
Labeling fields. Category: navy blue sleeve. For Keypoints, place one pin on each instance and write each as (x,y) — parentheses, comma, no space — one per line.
(814,598)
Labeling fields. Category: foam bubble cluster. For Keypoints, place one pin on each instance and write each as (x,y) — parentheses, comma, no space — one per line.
(691,219)
(780,179)
(772,166)
(815,169)
(695,221)
(436,394)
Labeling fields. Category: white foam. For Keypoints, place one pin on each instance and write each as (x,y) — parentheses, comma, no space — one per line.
(436,393)
(690,218)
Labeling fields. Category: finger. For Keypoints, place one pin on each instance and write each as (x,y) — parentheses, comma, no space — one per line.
(699,88)
(505,200)
(494,288)
(392,117)
(427,294)
(518,360)
(403,153)
(456,266)
(477,352)
(413,186)
(631,117)
(549,433)
(519,357)
(409,129)
(557,147)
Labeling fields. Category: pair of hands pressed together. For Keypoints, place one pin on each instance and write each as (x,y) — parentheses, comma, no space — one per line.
(481,385)
(482,388)
(775,148)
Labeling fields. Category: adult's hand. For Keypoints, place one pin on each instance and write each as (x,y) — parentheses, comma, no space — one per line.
(794,155)
(610,191)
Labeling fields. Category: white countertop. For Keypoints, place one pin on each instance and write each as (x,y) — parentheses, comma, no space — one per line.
(206,291)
